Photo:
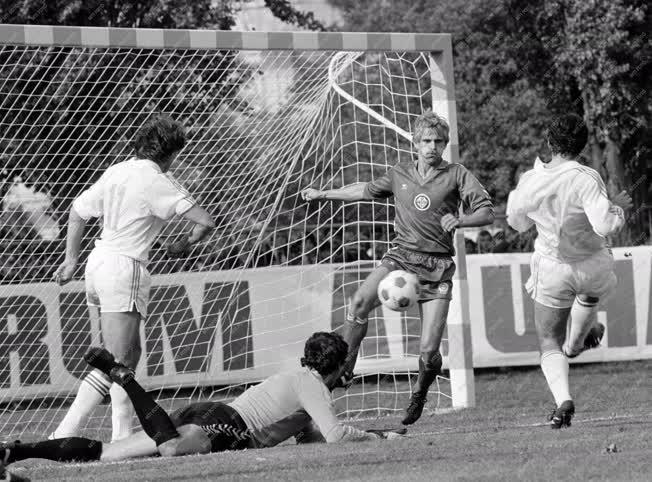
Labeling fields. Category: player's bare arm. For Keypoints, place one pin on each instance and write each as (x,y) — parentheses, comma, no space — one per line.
(76,227)
(482,217)
(204,224)
(350,193)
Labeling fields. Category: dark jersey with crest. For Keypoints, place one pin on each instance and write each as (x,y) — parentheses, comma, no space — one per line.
(420,203)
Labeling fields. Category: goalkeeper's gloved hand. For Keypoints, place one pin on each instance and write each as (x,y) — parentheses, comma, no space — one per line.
(179,248)
(389,434)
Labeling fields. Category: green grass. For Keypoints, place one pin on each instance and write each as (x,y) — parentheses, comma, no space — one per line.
(504,438)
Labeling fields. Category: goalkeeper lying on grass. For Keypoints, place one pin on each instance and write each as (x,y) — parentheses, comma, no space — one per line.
(288,404)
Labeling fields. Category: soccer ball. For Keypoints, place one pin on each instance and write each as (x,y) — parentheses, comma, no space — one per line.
(399,290)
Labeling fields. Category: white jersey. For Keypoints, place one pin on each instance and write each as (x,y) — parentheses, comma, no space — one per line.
(281,396)
(134,198)
(568,204)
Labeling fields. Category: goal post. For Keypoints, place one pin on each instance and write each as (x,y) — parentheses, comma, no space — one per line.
(266,114)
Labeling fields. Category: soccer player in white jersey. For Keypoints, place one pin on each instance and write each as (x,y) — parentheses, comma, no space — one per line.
(572,267)
(134,198)
(263,416)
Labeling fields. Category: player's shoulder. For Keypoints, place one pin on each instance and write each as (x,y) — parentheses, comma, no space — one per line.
(401,166)
(456,169)
(585,176)
(309,378)
(527,175)
(586,173)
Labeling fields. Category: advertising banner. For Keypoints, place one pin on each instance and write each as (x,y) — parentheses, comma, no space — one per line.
(239,326)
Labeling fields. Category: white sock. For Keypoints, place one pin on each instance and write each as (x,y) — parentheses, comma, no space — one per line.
(555,368)
(94,387)
(582,317)
(122,413)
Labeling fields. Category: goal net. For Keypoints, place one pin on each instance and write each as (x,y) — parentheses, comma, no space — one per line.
(266,116)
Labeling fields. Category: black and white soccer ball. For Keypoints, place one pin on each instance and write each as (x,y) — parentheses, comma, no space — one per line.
(399,290)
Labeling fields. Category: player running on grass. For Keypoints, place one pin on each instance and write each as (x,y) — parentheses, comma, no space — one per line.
(572,267)
(263,416)
(427,195)
(134,198)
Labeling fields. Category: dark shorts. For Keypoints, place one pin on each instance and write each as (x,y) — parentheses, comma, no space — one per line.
(222,424)
(435,273)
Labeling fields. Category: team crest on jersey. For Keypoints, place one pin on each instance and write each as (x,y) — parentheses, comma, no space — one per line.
(421,202)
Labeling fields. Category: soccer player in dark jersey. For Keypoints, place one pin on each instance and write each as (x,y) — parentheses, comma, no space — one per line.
(427,194)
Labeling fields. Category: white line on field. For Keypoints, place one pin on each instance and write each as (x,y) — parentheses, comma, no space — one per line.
(540,424)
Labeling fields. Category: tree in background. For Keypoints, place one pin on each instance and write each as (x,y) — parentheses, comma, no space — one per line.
(595,59)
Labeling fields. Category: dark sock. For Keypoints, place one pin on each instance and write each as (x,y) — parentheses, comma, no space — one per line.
(68,449)
(428,371)
(155,421)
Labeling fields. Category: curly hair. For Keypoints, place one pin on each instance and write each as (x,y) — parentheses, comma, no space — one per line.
(430,120)
(567,135)
(159,138)
(324,352)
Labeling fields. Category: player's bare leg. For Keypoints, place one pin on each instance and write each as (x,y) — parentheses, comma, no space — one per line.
(355,326)
(433,315)
(121,337)
(191,440)
(91,392)
(585,331)
(137,445)
(551,331)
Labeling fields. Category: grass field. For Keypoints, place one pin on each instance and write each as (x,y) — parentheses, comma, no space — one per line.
(504,438)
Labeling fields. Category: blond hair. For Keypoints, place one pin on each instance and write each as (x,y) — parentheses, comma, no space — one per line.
(430,120)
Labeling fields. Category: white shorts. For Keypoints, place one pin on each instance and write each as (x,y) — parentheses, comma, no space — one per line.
(556,284)
(116,283)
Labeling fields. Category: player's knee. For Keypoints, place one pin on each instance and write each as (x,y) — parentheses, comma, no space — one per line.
(133,356)
(128,356)
(361,305)
(168,449)
(191,440)
(357,305)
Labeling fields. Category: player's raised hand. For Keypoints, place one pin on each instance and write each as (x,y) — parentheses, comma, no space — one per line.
(179,248)
(623,200)
(449,222)
(64,272)
(310,194)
